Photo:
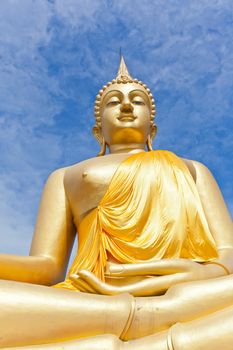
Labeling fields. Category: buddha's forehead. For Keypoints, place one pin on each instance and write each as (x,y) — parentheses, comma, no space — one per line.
(124,89)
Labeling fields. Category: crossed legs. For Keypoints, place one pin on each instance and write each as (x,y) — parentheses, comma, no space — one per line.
(32,314)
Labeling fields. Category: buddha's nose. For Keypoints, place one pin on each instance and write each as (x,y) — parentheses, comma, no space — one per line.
(126,108)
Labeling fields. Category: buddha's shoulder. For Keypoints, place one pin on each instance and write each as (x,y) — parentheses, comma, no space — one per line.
(197,169)
(71,170)
(79,169)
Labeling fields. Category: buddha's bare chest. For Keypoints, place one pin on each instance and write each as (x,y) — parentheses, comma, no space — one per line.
(87,184)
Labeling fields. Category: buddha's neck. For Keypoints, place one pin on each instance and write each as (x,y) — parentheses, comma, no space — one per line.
(123,148)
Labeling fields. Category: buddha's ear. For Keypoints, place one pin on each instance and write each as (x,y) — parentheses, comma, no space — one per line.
(153,132)
(97,132)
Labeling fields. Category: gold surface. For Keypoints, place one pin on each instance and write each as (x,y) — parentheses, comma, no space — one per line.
(136,221)
(155,298)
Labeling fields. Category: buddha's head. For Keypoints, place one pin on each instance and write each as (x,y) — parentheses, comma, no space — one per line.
(124,112)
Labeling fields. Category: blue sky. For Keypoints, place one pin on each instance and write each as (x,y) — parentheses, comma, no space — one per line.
(56,55)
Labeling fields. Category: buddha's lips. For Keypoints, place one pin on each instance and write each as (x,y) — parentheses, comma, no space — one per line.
(126,117)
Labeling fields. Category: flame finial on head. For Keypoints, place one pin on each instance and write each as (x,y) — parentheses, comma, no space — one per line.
(123,73)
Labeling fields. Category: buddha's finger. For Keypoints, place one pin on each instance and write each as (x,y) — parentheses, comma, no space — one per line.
(97,284)
(158,267)
(82,285)
(86,288)
(161,284)
(156,286)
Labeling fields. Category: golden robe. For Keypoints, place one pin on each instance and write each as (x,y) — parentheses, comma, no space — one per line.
(150,211)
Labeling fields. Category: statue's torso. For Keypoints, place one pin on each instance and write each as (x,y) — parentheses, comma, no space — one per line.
(130,209)
(87,182)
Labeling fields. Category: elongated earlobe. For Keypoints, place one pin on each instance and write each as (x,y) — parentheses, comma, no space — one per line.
(151,136)
(102,148)
(149,143)
(98,135)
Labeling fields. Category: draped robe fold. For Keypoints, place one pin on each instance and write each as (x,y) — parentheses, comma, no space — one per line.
(151,210)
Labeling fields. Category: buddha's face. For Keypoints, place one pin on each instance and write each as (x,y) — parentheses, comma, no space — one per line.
(125,114)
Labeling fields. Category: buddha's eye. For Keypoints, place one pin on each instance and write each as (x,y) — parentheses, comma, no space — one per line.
(138,102)
(113,103)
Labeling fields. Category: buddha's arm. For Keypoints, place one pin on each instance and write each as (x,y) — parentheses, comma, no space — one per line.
(217,214)
(52,241)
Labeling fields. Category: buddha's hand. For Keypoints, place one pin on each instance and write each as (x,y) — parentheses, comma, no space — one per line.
(156,277)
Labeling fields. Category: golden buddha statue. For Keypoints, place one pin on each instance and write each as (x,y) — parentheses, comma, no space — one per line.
(155,242)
